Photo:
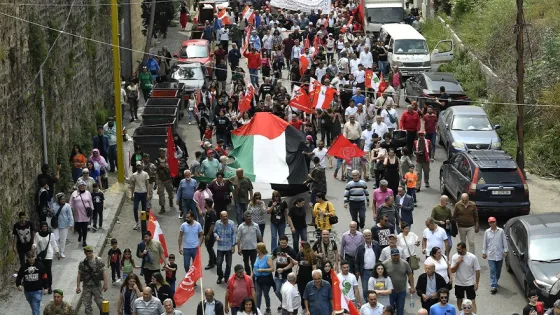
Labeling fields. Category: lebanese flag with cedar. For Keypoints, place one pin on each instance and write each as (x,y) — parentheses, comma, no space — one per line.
(245,103)
(248,14)
(157,233)
(321,95)
(185,290)
(372,81)
(222,15)
(344,149)
(172,161)
(247,40)
(340,302)
(382,85)
(300,100)
(303,64)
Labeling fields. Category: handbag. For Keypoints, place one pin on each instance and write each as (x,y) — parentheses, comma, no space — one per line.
(264,280)
(449,285)
(89,210)
(43,254)
(54,219)
(333,219)
(414,261)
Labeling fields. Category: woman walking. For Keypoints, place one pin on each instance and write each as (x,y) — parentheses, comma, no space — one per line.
(408,241)
(257,209)
(63,213)
(381,284)
(392,171)
(278,210)
(220,189)
(78,160)
(81,202)
(297,222)
(262,270)
(131,289)
(160,288)
(46,248)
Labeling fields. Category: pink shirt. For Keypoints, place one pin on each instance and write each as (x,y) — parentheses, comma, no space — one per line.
(80,213)
(379,196)
(199,197)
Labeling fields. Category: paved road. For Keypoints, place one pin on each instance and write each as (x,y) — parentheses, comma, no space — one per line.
(508,300)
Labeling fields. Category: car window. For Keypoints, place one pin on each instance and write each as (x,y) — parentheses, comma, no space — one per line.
(449,86)
(500,176)
(519,236)
(410,46)
(445,116)
(194,51)
(545,247)
(457,161)
(188,73)
(471,123)
(465,169)
(422,81)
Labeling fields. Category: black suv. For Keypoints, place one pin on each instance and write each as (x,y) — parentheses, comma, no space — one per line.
(492,180)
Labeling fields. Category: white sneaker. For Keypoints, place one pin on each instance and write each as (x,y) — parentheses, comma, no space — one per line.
(62,255)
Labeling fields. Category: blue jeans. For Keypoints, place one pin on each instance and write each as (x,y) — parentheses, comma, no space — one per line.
(397,300)
(254,73)
(263,289)
(432,137)
(383,67)
(188,254)
(412,193)
(76,173)
(364,277)
(495,272)
(221,254)
(172,285)
(112,156)
(240,209)
(277,231)
(279,282)
(189,205)
(234,310)
(358,211)
(34,298)
(297,235)
(139,197)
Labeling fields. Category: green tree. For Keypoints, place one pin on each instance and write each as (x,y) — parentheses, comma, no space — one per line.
(164,14)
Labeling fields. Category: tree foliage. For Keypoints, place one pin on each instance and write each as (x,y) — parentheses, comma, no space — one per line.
(165,12)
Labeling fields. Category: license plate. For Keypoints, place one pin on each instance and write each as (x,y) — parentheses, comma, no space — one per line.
(501,192)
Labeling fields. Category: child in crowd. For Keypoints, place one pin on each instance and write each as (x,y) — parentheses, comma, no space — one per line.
(98,205)
(411,178)
(114,260)
(127,263)
(171,273)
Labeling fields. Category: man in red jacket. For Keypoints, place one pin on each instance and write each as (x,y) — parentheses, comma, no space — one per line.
(410,121)
(253,63)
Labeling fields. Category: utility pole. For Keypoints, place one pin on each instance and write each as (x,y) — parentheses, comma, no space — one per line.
(117,87)
(43,118)
(520,98)
(150,32)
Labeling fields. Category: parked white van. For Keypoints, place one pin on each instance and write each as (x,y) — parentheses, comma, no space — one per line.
(408,49)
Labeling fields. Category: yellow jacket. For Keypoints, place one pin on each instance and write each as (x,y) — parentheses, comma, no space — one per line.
(320,211)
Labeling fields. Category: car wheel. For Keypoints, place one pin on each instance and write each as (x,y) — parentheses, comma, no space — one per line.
(508,266)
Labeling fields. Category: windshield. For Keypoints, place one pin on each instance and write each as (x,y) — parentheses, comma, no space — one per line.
(545,247)
(188,73)
(410,46)
(193,51)
(385,15)
(501,176)
(471,123)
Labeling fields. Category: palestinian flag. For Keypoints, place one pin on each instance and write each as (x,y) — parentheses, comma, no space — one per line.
(270,152)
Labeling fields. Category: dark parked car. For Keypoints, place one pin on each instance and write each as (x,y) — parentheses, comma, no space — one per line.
(534,254)
(491,178)
(461,128)
(424,88)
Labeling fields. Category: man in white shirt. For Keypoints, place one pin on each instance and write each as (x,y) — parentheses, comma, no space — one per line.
(360,77)
(366,58)
(366,138)
(386,252)
(379,127)
(371,307)
(338,81)
(320,71)
(392,122)
(321,152)
(467,275)
(343,63)
(349,284)
(361,116)
(353,63)
(350,110)
(296,51)
(291,300)
(434,236)
(352,129)
(494,248)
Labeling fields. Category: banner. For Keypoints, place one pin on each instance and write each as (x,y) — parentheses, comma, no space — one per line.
(157,233)
(300,100)
(185,290)
(303,5)
(172,161)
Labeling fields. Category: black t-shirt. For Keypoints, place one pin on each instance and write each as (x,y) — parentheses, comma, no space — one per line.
(381,50)
(528,309)
(305,266)
(298,217)
(115,256)
(265,89)
(294,71)
(23,234)
(171,275)
(444,99)
(98,198)
(278,212)
(51,180)
(282,259)
(222,124)
(209,219)
(381,234)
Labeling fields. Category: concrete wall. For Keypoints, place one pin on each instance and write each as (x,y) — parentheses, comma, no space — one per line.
(138,39)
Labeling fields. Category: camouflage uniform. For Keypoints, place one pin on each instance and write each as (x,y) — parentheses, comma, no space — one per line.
(164,182)
(151,169)
(91,275)
(52,309)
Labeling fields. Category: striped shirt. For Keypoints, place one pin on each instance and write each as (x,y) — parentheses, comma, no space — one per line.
(356,191)
(226,234)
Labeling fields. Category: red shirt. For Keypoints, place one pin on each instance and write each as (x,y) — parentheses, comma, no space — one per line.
(253,60)
(410,121)
(297,124)
(220,151)
(430,122)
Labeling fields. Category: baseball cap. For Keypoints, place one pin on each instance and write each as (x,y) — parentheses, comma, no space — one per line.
(395,251)
(491,219)
(392,236)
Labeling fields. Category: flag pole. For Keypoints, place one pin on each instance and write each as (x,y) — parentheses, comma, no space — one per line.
(201,284)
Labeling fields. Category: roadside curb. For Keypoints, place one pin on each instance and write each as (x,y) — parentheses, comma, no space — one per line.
(115,198)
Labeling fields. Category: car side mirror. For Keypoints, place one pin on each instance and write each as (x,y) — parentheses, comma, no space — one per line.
(447,126)
(369,19)
(446,162)
(522,256)
(496,127)
(390,50)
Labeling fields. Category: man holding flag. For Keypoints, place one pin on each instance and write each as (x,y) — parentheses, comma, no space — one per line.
(190,239)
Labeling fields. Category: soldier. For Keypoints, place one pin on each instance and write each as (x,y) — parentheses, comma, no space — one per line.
(151,169)
(164,180)
(91,271)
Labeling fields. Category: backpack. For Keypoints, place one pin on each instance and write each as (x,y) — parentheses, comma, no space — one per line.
(230,286)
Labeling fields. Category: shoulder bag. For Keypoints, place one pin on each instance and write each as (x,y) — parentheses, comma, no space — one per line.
(450,283)
(414,261)
(334,218)
(43,254)
(54,219)
(89,210)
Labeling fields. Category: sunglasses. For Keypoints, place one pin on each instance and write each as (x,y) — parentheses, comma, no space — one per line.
(443,297)
(467,307)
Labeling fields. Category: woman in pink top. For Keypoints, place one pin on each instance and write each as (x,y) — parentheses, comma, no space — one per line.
(396,82)
(201,193)
(80,200)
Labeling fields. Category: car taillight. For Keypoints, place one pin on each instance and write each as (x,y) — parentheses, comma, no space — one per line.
(472,187)
(525,186)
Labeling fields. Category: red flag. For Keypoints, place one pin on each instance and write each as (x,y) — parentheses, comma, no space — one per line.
(316,44)
(337,293)
(172,161)
(247,40)
(369,77)
(306,45)
(300,100)
(157,233)
(303,64)
(344,149)
(222,15)
(351,307)
(185,290)
(382,85)
(245,103)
